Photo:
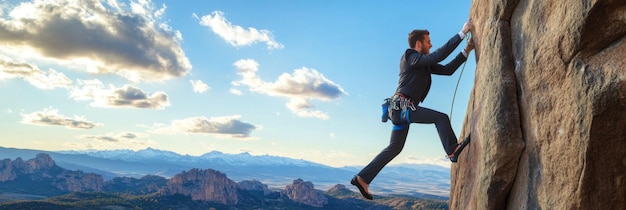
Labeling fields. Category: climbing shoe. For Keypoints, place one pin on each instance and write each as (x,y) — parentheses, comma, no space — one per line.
(459,148)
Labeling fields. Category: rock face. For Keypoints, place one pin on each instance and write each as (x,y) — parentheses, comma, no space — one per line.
(77,181)
(254,185)
(43,170)
(205,185)
(145,185)
(304,192)
(548,110)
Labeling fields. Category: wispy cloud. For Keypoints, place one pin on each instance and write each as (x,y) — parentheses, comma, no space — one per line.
(126,96)
(122,140)
(199,86)
(236,35)
(111,137)
(302,86)
(226,126)
(32,74)
(130,41)
(50,116)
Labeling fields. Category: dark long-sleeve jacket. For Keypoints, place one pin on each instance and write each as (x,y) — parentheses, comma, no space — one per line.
(416,69)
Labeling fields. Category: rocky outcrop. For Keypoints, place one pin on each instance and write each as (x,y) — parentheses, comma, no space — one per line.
(9,170)
(254,185)
(547,112)
(145,185)
(77,181)
(338,188)
(205,185)
(341,191)
(6,170)
(304,192)
(43,170)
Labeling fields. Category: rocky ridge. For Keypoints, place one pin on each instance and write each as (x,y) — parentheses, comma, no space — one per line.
(41,177)
(200,184)
(42,168)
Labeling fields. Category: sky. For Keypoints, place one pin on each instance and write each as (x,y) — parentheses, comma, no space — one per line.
(298,79)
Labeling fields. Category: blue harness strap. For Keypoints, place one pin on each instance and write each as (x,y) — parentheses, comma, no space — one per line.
(400,127)
(405,113)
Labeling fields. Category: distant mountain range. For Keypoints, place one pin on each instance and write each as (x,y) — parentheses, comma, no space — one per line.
(418,180)
(39,183)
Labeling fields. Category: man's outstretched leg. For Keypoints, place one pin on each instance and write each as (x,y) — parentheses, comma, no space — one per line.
(444,129)
(396,143)
(442,123)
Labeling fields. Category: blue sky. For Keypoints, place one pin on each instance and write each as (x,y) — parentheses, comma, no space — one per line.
(300,79)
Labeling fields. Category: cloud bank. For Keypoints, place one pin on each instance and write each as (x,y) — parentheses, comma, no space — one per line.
(110,38)
(226,126)
(302,86)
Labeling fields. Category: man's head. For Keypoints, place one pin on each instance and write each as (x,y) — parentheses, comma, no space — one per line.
(419,40)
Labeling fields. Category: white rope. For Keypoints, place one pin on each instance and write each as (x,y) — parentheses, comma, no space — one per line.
(457,83)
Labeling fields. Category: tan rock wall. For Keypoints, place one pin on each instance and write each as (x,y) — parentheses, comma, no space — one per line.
(548,109)
(205,185)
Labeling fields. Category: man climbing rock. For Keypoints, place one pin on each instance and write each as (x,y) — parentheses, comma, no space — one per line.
(416,67)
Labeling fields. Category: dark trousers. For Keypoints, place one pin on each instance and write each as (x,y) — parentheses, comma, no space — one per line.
(398,138)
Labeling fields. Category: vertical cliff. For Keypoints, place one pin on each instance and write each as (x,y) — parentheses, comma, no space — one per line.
(547,113)
(205,185)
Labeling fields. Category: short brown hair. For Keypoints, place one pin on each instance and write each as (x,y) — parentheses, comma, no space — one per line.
(417,35)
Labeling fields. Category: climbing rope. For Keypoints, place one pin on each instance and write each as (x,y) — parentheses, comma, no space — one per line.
(458,81)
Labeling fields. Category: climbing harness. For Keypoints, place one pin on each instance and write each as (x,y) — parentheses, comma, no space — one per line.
(398,108)
(403,104)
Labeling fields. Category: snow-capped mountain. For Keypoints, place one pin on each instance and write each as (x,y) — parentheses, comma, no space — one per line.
(150,154)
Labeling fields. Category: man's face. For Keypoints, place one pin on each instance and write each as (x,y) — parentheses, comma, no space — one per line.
(424,46)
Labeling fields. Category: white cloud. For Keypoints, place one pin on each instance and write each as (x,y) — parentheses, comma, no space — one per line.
(441,161)
(32,74)
(199,86)
(50,116)
(236,35)
(105,39)
(124,97)
(226,126)
(304,108)
(235,91)
(302,86)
